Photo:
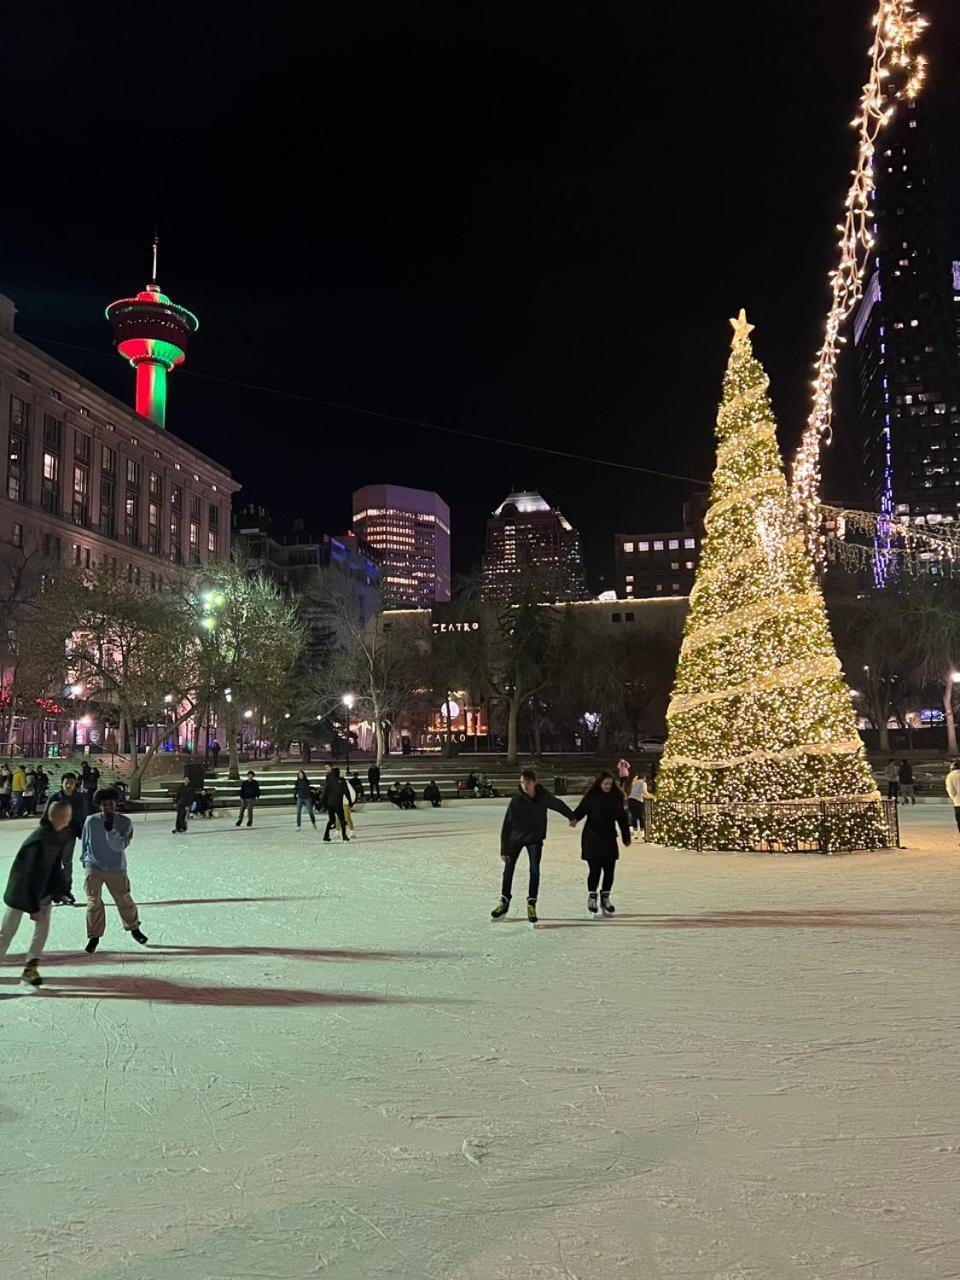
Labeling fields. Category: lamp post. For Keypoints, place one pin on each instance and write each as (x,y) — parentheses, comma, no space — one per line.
(348,701)
(211,602)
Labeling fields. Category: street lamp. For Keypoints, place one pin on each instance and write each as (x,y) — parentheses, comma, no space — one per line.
(348,701)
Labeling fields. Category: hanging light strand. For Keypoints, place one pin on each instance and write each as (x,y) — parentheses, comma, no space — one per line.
(893,52)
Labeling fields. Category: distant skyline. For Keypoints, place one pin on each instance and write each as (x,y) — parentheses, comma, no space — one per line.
(526,221)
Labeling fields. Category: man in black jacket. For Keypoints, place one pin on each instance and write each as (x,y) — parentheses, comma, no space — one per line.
(249,792)
(332,799)
(525,827)
(70,794)
(373,777)
(36,878)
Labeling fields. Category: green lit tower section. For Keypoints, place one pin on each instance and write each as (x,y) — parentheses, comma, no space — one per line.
(153,333)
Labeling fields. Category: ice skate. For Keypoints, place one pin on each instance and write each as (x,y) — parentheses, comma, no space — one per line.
(532,910)
(592,903)
(92,944)
(501,909)
(31,976)
(139,936)
(606,906)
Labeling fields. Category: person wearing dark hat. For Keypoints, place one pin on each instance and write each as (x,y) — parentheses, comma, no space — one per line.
(106,835)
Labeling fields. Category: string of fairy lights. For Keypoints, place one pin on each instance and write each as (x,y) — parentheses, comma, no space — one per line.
(894,60)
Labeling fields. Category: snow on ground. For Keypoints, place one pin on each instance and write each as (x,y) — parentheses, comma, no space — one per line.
(330,1063)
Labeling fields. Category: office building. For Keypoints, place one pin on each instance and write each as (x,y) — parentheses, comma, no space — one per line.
(906,336)
(410,531)
(661,564)
(531,546)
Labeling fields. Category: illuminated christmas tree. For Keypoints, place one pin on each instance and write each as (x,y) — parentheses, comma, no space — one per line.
(760,712)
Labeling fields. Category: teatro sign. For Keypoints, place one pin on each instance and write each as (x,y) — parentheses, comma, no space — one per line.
(439,628)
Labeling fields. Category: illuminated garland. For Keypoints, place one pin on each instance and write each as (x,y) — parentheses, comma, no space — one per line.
(785,677)
(897,29)
(791,753)
(749,616)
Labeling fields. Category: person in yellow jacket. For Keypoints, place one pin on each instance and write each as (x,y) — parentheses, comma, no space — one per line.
(17,787)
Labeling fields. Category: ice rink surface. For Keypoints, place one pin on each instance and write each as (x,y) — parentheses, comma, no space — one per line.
(330,1063)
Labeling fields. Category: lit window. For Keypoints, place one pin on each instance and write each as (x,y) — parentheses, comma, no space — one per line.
(658,546)
(689,565)
(643,546)
(628,547)
(674,544)
(689,543)
(675,564)
(659,586)
(630,577)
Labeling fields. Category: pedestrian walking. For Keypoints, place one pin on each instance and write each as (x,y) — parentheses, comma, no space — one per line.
(36,879)
(892,775)
(76,800)
(18,786)
(249,794)
(603,808)
(183,799)
(373,777)
(332,800)
(525,827)
(103,852)
(639,792)
(953,790)
(303,795)
(6,779)
(908,790)
(431,793)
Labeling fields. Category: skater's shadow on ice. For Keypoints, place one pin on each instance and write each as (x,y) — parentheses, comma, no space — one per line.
(158,991)
(824,918)
(202,902)
(161,951)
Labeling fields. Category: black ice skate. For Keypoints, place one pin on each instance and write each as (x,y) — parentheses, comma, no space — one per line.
(31,975)
(138,936)
(501,909)
(606,906)
(592,903)
(532,910)
(92,944)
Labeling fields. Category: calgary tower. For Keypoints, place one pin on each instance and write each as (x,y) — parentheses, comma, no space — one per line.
(153,333)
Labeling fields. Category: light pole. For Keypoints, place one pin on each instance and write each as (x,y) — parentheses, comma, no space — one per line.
(212,602)
(348,701)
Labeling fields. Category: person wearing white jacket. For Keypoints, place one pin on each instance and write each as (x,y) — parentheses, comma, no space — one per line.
(953,790)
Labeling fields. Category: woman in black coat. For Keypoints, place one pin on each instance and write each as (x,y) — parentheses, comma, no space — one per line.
(604,811)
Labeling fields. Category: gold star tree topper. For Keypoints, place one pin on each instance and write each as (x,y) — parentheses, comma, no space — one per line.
(742,328)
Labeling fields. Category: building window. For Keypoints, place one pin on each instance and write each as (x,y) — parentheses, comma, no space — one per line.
(628,617)
(689,565)
(615,617)
(17,535)
(675,564)
(156,485)
(643,546)
(628,547)
(17,449)
(83,412)
(81,496)
(212,543)
(131,519)
(133,474)
(630,577)
(51,547)
(194,542)
(676,586)
(194,506)
(658,546)
(108,461)
(55,394)
(81,447)
(108,507)
(50,484)
(52,432)
(689,543)
(176,495)
(155,532)
(213,516)
(659,586)
(674,544)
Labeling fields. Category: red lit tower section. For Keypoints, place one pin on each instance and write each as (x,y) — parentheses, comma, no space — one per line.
(153,333)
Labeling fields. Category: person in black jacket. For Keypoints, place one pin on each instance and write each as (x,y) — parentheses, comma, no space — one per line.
(431,792)
(332,800)
(303,795)
(36,879)
(249,792)
(525,827)
(604,810)
(408,797)
(70,794)
(373,777)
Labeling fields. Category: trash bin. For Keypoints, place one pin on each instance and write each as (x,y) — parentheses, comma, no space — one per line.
(559,785)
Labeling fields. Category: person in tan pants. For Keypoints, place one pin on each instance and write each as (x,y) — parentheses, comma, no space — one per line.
(106,835)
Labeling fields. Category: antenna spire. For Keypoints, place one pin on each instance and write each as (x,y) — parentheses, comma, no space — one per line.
(156,244)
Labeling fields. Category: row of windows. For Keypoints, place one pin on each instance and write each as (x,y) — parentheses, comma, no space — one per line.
(659,544)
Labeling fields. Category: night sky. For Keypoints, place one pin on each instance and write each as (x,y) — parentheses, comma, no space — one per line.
(526,221)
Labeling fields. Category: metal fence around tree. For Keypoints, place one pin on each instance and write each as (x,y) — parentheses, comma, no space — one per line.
(785,826)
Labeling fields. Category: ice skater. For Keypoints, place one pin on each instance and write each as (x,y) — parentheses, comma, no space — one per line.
(373,777)
(604,810)
(639,792)
(525,827)
(36,880)
(303,795)
(332,800)
(953,790)
(76,800)
(249,793)
(103,853)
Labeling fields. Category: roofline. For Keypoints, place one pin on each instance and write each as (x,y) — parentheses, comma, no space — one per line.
(112,402)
